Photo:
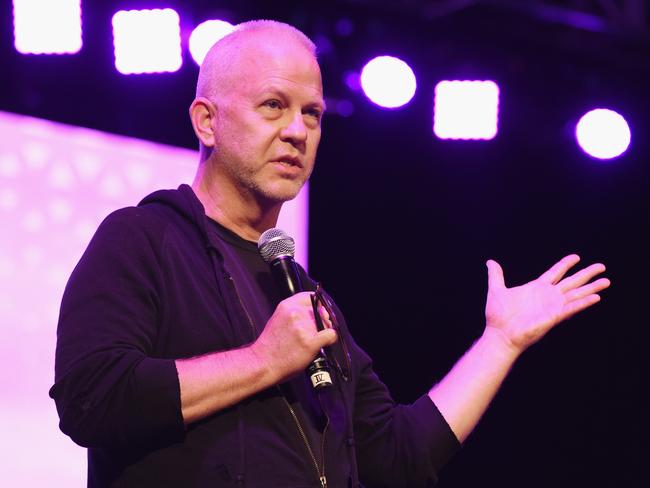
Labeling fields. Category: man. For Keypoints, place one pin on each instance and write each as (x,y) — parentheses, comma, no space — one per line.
(179,365)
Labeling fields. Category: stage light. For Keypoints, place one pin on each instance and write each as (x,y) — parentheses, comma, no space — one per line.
(147,41)
(205,35)
(47,27)
(603,134)
(466,109)
(387,81)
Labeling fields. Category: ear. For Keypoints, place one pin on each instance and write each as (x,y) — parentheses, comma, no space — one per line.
(202,112)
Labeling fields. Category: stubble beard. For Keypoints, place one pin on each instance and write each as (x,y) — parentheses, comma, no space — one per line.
(268,193)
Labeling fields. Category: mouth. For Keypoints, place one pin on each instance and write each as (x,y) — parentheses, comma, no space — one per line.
(289,161)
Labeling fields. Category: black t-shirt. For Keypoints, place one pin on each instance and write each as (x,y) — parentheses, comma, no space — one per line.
(259,294)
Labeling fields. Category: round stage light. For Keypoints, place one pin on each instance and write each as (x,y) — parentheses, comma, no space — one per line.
(388,81)
(603,133)
(205,35)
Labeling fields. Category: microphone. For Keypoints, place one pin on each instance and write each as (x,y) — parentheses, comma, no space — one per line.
(277,249)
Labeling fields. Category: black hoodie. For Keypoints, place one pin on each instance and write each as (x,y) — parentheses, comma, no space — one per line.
(151,288)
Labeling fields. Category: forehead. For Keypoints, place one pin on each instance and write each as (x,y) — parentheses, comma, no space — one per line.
(263,63)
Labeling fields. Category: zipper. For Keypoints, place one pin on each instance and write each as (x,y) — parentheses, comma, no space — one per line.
(250,321)
(323,480)
(320,472)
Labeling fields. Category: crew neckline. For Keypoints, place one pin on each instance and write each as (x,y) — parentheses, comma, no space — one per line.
(232,238)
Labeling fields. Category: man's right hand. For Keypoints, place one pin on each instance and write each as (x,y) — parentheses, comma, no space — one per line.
(290,340)
(288,343)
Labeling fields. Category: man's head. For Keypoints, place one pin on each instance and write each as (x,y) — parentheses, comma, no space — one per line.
(259,101)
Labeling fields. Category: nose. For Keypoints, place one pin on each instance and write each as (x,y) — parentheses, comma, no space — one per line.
(295,131)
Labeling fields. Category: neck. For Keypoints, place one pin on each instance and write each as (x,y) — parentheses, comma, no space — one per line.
(237,211)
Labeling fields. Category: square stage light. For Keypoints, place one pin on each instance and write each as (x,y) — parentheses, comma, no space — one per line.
(147,41)
(466,110)
(47,26)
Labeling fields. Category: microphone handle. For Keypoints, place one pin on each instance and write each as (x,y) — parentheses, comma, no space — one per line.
(286,275)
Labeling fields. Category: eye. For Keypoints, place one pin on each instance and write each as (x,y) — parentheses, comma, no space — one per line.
(273,104)
(314,112)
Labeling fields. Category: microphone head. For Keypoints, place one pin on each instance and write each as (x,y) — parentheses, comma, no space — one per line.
(275,243)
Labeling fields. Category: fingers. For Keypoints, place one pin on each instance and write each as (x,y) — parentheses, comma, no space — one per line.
(300,307)
(325,317)
(578,305)
(301,299)
(327,337)
(587,290)
(559,269)
(581,277)
(495,275)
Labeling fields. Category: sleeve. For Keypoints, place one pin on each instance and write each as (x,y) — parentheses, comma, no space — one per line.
(397,445)
(109,389)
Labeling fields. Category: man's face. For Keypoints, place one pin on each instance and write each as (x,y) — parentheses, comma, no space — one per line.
(268,121)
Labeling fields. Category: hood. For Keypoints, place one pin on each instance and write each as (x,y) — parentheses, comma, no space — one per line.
(185,203)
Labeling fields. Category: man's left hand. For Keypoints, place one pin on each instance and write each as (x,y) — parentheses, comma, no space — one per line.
(524,314)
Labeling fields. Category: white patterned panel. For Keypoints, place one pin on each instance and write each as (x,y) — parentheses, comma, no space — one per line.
(57,183)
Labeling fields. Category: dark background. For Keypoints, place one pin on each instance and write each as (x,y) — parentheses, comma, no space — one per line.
(402,222)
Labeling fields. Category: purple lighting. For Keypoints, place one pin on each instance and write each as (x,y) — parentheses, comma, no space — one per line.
(466,110)
(51,27)
(147,41)
(205,35)
(387,81)
(603,134)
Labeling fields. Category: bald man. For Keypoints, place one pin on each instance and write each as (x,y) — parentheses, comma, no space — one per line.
(178,364)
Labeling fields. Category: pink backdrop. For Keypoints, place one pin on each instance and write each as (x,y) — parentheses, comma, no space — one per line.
(56,185)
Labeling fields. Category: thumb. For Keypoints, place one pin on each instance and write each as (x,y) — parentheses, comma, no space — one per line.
(495,275)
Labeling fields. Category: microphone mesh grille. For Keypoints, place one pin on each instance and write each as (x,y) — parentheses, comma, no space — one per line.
(275,243)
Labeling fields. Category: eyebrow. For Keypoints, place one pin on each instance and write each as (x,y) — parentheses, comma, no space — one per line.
(320,103)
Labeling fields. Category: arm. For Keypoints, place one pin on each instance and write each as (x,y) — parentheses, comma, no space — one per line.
(397,445)
(516,318)
(110,389)
(287,344)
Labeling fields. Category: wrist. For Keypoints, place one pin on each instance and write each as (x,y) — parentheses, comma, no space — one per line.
(499,343)
(256,356)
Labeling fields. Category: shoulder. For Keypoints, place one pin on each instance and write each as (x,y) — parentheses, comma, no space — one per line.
(129,226)
(146,217)
(154,230)
(133,233)
(156,213)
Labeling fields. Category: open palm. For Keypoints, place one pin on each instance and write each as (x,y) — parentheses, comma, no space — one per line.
(524,314)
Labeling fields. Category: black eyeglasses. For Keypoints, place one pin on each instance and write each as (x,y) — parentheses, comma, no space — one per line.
(319,298)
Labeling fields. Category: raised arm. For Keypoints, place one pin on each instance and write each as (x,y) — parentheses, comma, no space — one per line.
(516,318)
